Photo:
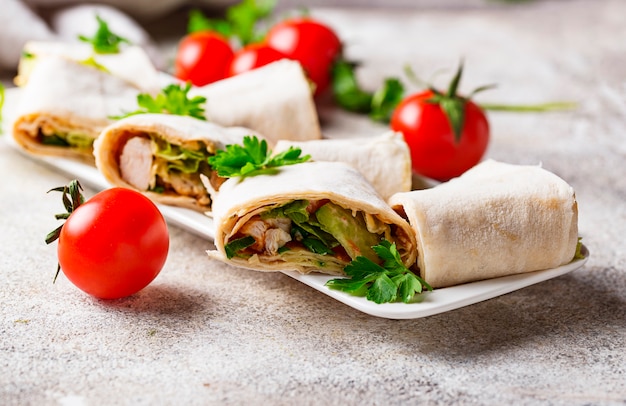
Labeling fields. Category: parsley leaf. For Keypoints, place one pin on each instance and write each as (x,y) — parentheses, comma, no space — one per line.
(173,99)
(199,22)
(104,41)
(386,99)
(349,95)
(384,283)
(240,20)
(252,158)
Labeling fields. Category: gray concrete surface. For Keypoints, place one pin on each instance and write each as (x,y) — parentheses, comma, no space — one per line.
(205,333)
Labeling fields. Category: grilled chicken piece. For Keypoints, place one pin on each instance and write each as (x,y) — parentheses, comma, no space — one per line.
(136,163)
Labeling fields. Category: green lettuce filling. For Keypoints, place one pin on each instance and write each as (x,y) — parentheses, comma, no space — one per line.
(71,140)
(179,158)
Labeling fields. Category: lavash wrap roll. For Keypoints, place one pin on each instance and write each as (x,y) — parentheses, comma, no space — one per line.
(384,160)
(139,152)
(496,219)
(72,100)
(276,100)
(131,63)
(240,202)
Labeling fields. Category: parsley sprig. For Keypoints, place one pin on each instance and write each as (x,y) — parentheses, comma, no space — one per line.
(104,40)
(349,95)
(252,158)
(173,99)
(384,283)
(381,103)
(240,21)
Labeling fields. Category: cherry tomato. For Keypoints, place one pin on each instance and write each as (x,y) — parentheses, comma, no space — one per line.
(203,57)
(435,152)
(253,56)
(114,244)
(309,42)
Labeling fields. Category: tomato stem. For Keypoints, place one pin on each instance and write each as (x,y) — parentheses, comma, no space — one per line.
(530,108)
(72,199)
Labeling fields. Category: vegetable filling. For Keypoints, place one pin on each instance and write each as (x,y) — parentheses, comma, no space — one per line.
(320,232)
(67,139)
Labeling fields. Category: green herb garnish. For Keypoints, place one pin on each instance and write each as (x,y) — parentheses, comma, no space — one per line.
(384,283)
(379,105)
(240,20)
(104,41)
(252,158)
(173,99)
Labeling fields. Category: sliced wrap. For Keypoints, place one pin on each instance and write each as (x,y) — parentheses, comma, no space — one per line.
(163,156)
(385,160)
(276,100)
(496,219)
(65,105)
(310,217)
(131,63)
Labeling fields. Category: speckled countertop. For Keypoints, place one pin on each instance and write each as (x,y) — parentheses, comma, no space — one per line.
(206,333)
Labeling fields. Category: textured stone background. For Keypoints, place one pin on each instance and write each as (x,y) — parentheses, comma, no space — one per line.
(206,333)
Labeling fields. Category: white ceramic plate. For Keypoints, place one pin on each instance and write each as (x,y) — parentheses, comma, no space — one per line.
(427,304)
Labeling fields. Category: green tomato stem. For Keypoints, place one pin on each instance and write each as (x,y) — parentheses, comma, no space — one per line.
(530,108)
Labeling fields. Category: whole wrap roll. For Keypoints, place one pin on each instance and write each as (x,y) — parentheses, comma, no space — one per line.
(330,192)
(384,160)
(131,63)
(163,156)
(64,106)
(496,219)
(276,100)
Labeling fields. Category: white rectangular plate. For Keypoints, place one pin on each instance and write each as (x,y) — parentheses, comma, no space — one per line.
(426,304)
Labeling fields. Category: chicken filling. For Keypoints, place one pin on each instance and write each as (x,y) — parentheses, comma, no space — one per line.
(152,164)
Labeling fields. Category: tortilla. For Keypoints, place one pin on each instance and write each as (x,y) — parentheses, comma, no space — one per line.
(131,63)
(65,105)
(163,155)
(497,219)
(276,100)
(275,209)
(385,160)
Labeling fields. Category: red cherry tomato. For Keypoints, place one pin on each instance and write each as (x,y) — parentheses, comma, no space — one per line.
(253,56)
(203,57)
(435,152)
(309,42)
(114,244)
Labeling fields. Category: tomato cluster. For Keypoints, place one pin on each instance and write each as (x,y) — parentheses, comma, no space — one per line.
(206,56)
(440,148)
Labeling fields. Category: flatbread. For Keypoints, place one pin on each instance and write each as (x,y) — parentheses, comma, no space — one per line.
(239,201)
(131,64)
(497,219)
(276,100)
(385,160)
